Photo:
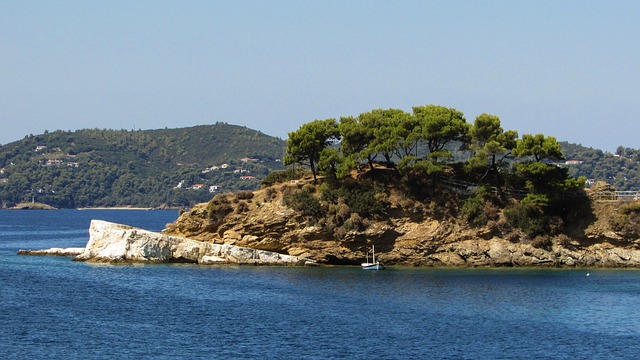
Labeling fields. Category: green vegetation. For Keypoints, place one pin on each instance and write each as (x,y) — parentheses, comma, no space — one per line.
(306,145)
(490,145)
(304,202)
(428,150)
(621,169)
(151,168)
(627,220)
(364,198)
(478,209)
(527,217)
(280,176)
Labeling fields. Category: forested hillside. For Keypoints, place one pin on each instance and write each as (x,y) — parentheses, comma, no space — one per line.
(150,168)
(622,169)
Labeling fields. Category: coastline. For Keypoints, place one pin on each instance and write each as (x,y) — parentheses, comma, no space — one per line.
(117,243)
(32,206)
(116,208)
(40,206)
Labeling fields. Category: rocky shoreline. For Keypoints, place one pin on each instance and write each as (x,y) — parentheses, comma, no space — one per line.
(402,239)
(117,243)
(502,253)
(52,252)
(32,206)
(274,236)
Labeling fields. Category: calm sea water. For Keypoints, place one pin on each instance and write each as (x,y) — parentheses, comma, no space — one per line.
(55,308)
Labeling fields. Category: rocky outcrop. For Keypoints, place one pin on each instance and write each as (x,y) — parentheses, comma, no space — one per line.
(32,206)
(116,243)
(53,252)
(402,239)
(499,252)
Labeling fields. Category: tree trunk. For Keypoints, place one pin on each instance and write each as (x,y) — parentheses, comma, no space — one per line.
(313,171)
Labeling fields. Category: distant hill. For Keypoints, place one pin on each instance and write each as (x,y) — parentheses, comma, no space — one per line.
(143,168)
(622,169)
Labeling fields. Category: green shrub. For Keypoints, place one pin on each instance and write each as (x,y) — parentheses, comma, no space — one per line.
(355,222)
(281,176)
(473,208)
(338,213)
(473,211)
(343,211)
(364,202)
(271,194)
(536,200)
(529,219)
(359,197)
(244,195)
(340,233)
(310,188)
(627,220)
(478,209)
(242,207)
(219,207)
(304,203)
(220,199)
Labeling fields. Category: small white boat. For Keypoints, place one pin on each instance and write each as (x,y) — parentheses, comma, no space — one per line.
(374,265)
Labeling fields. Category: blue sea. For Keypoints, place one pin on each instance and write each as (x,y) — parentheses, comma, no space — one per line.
(54,308)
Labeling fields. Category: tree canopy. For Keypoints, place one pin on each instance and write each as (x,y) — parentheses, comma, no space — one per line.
(439,126)
(307,143)
(539,147)
(488,141)
(421,139)
(427,140)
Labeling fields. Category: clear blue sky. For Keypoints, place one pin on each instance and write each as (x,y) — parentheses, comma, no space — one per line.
(570,69)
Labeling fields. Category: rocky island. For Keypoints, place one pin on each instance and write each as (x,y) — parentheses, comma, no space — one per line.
(427,189)
(409,235)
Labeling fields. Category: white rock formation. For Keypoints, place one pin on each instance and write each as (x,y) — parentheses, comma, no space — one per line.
(110,242)
(53,252)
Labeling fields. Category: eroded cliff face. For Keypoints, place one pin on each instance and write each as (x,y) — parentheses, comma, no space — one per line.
(404,238)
